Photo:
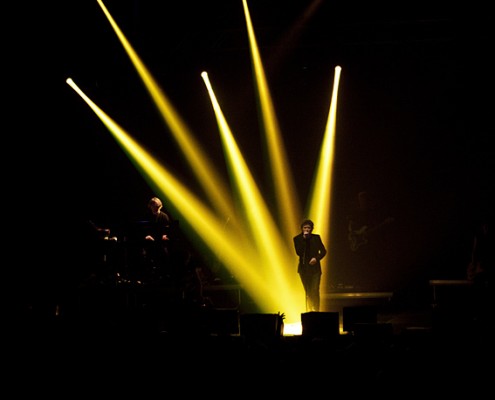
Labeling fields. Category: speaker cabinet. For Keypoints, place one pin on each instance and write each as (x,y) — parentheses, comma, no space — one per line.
(261,326)
(223,296)
(221,322)
(358,315)
(320,324)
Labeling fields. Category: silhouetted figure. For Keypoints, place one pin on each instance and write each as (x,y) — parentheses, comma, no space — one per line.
(480,269)
(364,221)
(368,243)
(98,250)
(310,249)
(157,247)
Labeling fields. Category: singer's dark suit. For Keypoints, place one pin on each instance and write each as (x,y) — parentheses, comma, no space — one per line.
(306,249)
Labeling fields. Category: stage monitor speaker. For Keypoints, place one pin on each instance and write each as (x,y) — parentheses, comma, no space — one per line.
(261,326)
(320,324)
(221,322)
(223,296)
(358,315)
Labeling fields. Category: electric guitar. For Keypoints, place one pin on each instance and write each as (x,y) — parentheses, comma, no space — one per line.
(359,238)
(473,269)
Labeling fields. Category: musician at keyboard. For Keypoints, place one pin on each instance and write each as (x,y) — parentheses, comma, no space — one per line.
(157,238)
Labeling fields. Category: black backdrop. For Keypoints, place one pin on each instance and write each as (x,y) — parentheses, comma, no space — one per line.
(413,121)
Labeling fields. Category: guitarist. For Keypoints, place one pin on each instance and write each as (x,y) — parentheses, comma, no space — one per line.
(364,221)
(367,242)
(480,269)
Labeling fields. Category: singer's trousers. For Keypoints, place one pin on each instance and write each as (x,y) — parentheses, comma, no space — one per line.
(311,283)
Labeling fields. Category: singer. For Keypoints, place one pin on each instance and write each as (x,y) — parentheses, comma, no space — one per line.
(310,249)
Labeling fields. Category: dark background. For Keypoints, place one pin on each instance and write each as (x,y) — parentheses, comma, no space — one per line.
(413,117)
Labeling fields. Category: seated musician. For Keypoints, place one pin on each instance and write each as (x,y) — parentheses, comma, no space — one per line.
(157,235)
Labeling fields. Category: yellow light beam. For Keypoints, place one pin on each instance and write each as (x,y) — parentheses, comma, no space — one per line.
(320,205)
(242,261)
(274,253)
(322,184)
(205,172)
(254,255)
(158,96)
(287,197)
